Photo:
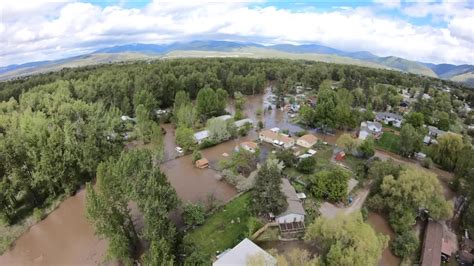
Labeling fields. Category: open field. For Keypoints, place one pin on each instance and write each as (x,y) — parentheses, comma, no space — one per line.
(224,228)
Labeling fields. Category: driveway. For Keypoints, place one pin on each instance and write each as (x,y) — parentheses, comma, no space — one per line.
(330,210)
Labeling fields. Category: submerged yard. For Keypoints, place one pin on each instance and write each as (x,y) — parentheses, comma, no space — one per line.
(224,228)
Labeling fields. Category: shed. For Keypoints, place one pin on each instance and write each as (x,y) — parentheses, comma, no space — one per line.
(202,163)
(201,135)
(240,255)
(249,146)
(340,156)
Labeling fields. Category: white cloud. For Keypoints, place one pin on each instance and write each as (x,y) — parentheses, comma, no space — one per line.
(51,30)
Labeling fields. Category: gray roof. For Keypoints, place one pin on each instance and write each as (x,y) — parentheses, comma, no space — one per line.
(239,255)
(435,131)
(383,115)
(242,122)
(201,135)
(294,203)
(223,117)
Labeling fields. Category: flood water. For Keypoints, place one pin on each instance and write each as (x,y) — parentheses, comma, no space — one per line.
(63,238)
(380,225)
(66,238)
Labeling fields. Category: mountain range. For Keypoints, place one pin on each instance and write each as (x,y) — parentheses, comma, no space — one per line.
(139,51)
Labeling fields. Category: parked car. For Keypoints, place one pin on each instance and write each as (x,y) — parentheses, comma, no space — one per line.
(179,149)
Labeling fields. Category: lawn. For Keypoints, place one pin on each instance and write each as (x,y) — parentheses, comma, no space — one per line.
(218,232)
(389,142)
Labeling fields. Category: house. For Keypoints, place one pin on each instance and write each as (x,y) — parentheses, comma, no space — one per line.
(202,163)
(243,122)
(249,146)
(432,135)
(201,136)
(307,141)
(242,253)
(389,118)
(293,217)
(277,139)
(369,128)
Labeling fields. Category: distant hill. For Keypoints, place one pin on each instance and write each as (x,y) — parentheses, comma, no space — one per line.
(465,78)
(314,52)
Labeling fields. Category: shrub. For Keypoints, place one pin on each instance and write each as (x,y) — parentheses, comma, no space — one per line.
(427,163)
(404,244)
(38,214)
(306,165)
(196,156)
(193,213)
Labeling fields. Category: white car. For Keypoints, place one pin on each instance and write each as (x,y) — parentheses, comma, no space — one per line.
(179,149)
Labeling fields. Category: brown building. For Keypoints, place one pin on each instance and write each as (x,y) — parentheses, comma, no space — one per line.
(202,163)
(431,253)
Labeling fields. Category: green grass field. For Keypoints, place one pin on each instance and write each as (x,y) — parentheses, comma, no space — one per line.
(389,142)
(218,233)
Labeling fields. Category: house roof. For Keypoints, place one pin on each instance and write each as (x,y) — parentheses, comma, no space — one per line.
(383,115)
(435,131)
(242,122)
(201,135)
(223,117)
(249,144)
(431,254)
(239,255)
(202,162)
(365,125)
(294,203)
(276,136)
(309,138)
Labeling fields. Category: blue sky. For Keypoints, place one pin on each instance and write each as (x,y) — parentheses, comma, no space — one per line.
(428,31)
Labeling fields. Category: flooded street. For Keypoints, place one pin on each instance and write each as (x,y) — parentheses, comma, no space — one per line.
(63,238)
(381,225)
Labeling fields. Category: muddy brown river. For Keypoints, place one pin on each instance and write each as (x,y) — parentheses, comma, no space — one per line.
(66,238)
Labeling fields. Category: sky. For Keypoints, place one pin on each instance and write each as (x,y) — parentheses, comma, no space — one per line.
(428,31)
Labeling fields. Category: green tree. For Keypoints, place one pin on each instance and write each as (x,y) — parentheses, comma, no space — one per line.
(287,157)
(185,138)
(447,150)
(347,142)
(416,119)
(329,184)
(239,105)
(181,98)
(325,112)
(217,130)
(194,213)
(267,194)
(367,148)
(347,240)
(410,140)
(186,115)
(306,165)
(196,156)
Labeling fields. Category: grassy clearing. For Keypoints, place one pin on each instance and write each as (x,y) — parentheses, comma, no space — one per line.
(389,142)
(218,233)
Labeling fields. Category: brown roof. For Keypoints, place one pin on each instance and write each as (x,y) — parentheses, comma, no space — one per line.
(431,254)
(276,136)
(294,203)
(249,144)
(202,162)
(311,139)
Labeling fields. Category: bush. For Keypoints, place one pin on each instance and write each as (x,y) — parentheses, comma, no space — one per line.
(38,214)
(404,244)
(287,157)
(301,133)
(306,165)
(193,213)
(196,156)
(427,163)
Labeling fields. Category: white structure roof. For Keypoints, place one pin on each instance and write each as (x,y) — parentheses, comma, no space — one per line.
(239,255)
(201,135)
(223,117)
(275,129)
(242,122)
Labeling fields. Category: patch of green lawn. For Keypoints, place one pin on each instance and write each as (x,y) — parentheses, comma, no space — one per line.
(218,233)
(389,142)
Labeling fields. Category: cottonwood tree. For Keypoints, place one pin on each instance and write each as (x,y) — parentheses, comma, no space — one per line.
(410,140)
(347,240)
(185,138)
(446,152)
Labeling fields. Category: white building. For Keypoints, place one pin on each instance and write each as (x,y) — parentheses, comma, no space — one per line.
(295,211)
(243,122)
(277,139)
(201,135)
(369,128)
(389,118)
(242,253)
